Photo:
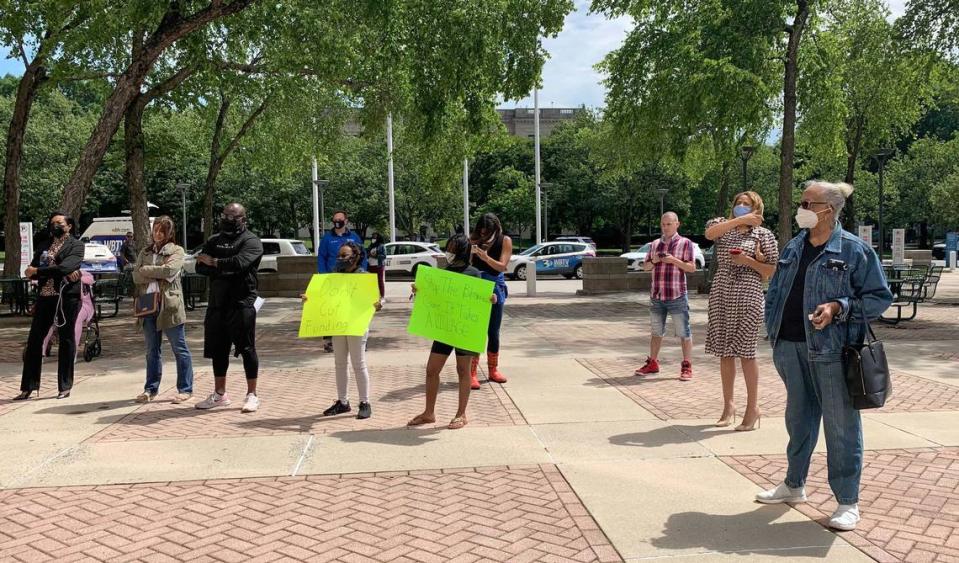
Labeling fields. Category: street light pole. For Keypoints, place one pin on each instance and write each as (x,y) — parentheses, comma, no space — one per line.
(745,153)
(183,186)
(466,196)
(662,200)
(881,156)
(536,164)
(389,175)
(545,187)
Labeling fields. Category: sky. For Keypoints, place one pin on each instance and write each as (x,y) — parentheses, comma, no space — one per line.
(569,79)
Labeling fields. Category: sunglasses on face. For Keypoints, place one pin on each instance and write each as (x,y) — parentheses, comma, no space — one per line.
(806,204)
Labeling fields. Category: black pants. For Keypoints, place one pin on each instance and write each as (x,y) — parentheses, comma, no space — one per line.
(231,327)
(43,317)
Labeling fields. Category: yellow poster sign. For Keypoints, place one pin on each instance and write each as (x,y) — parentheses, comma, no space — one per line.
(339,305)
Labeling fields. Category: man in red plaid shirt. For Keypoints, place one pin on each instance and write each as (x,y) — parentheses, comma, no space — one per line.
(670,257)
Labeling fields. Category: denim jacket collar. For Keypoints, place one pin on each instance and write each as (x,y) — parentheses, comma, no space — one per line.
(834,244)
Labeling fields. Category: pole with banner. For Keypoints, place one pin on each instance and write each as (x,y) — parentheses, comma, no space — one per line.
(952,248)
(898,246)
(865,233)
(26,246)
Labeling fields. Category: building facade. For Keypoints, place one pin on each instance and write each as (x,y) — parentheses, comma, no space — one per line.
(519,121)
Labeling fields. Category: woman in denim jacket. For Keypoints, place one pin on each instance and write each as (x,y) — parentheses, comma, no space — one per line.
(827,281)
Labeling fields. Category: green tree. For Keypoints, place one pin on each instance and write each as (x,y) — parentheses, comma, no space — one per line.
(859,87)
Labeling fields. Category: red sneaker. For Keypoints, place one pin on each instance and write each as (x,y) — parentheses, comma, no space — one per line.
(651,366)
(686,372)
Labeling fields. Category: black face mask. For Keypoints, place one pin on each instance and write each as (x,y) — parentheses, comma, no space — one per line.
(343,265)
(339,224)
(229,226)
(57,231)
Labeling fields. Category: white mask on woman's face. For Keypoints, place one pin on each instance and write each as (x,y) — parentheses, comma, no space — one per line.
(807,218)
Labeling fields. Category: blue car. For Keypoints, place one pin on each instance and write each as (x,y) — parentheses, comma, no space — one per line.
(558,258)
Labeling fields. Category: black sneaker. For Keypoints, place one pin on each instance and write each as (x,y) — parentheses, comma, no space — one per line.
(337,408)
(365,411)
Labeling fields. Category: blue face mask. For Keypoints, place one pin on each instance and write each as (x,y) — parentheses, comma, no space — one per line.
(741,210)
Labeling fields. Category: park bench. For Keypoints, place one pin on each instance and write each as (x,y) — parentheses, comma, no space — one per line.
(194,290)
(908,287)
(110,291)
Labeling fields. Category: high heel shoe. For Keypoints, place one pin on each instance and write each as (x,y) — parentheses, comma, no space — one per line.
(63,395)
(24,395)
(756,424)
(724,422)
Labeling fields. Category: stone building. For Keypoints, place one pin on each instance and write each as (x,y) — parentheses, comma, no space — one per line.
(519,121)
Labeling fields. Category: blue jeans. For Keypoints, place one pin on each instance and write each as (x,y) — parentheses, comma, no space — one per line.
(814,391)
(184,362)
(678,309)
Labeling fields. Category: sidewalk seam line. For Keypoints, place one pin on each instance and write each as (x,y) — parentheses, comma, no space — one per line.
(299,462)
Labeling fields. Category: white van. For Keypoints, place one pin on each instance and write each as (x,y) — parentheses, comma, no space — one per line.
(110,231)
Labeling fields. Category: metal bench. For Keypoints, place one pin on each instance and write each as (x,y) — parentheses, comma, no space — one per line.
(908,289)
(194,290)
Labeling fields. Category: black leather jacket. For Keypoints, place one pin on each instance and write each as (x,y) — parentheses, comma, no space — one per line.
(66,262)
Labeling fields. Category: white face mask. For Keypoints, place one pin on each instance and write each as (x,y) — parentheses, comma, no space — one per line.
(806,218)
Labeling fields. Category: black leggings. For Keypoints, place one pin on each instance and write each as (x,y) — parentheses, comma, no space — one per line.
(251,363)
(492,335)
(44,315)
(446,350)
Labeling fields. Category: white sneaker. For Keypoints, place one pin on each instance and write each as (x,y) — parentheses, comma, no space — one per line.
(251,403)
(781,494)
(213,401)
(845,517)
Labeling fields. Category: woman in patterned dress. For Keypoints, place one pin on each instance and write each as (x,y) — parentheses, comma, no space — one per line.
(747,254)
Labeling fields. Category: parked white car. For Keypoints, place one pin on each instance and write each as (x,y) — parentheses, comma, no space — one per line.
(272,248)
(552,258)
(638,256)
(98,258)
(406,256)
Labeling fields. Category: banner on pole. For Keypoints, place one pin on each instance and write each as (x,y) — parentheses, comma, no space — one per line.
(451,308)
(26,246)
(339,305)
(899,246)
(865,233)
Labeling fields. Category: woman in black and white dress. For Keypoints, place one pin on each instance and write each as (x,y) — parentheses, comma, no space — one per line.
(747,254)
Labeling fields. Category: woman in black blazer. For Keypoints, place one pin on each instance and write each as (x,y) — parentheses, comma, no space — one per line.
(55,267)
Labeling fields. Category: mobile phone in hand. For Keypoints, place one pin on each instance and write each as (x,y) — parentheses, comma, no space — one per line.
(735,251)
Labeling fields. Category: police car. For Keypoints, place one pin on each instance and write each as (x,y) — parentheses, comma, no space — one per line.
(558,257)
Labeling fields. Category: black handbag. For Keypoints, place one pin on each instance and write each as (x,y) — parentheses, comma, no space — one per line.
(867,372)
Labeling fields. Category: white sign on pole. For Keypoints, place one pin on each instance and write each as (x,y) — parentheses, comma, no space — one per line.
(899,246)
(865,233)
(26,246)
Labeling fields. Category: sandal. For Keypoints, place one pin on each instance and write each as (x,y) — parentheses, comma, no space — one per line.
(457,423)
(420,420)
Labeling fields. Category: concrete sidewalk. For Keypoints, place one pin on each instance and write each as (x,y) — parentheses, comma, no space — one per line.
(574,459)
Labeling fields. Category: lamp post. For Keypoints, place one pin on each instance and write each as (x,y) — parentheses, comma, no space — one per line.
(745,153)
(546,187)
(662,200)
(183,187)
(321,189)
(881,156)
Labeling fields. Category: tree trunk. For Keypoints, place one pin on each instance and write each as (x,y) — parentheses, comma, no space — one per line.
(722,197)
(788,145)
(134,151)
(173,27)
(33,77)
(218,156)
(134,174)
(924,234)
(852,158)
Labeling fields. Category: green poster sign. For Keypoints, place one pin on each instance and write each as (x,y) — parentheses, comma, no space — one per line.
(339,305)
(451,308)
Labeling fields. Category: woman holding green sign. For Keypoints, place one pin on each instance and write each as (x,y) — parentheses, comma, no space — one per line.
(491,253)
(458,254)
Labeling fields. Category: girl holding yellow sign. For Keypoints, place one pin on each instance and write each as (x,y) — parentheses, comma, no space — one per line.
(352,348)
(458,252)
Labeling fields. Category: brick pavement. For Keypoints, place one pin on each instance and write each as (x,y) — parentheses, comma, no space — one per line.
(515,514)
(293,401)
(10,387)
(668,398)
(909,500)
